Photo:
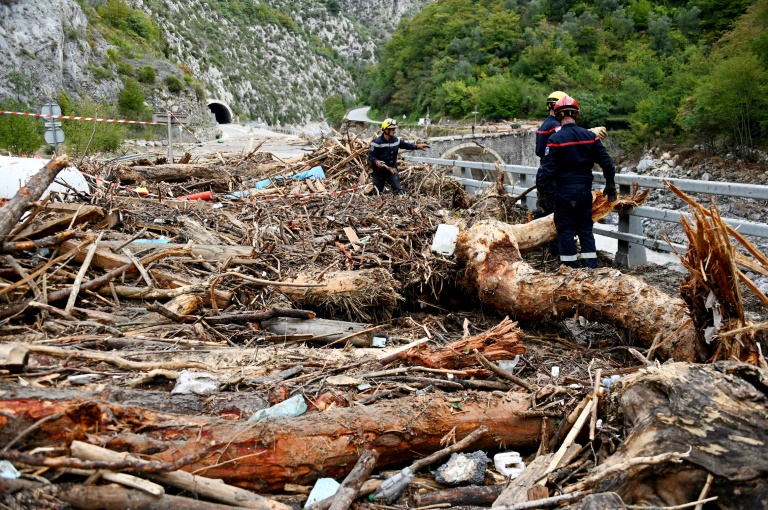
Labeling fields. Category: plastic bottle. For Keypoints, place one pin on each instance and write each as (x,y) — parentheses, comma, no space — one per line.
(393,487)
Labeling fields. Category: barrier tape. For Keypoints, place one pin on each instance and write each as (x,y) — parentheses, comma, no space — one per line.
(184,126)
(70,117)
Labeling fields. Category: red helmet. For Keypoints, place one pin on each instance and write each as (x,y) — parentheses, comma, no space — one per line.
(566,106)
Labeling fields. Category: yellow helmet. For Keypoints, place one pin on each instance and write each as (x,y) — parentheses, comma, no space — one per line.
(554,97)
(389,124)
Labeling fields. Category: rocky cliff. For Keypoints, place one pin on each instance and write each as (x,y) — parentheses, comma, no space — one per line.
(276,60)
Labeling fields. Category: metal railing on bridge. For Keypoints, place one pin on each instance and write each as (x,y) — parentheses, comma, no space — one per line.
(630,236)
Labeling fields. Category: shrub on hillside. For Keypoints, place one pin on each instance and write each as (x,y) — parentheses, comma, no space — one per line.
(147,75)
(103,137)
(18,134)
(174,83)
(131,98)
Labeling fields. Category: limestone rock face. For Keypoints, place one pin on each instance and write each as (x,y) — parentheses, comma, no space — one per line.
(274,60)
(46,41)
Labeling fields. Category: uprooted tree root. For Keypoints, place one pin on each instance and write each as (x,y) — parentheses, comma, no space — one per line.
(711,288)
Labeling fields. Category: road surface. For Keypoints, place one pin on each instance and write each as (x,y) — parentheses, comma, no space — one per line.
(360,115)
(237,138)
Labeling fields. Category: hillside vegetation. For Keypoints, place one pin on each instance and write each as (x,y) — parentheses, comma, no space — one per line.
(687,69)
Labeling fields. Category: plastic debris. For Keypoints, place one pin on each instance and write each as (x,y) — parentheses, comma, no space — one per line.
(15,172)
(196,383)
(324,488)
(509,464)
(444,242)
(7,470)
(294,406)
(508,364)
(393,487)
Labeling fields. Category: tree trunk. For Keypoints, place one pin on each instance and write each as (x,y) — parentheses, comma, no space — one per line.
(11,212)
(271,453)
(483,496)
(491,251)
(717,411)
(183,172)
(328,330)
(368,295)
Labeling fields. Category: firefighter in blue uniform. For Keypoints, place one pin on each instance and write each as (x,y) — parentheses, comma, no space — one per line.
(545,204)
(566,172)
(383,157)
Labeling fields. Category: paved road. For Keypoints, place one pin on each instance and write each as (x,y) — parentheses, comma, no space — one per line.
(238,138)
(360,115)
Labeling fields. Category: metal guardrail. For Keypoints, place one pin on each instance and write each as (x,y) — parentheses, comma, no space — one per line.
(630,234)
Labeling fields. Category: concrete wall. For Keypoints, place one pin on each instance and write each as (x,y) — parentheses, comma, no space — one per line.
(514,148)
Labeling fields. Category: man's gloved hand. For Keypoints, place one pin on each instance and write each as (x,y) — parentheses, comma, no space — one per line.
(541,202)
(422,146)
(380,164)
(610,192)
(600,131)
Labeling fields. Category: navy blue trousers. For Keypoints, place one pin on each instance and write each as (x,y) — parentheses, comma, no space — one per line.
(381,177)
(573,217)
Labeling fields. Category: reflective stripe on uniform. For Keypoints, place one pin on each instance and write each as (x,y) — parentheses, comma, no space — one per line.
(579,142)
(589,255)
(569,258)
(391,144)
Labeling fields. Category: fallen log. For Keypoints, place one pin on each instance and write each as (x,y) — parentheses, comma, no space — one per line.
(270,453)
(483,495)
(322,330)
(716,412)
(647,316)
(368,295)
(12,211)
(45,242)
(183,172)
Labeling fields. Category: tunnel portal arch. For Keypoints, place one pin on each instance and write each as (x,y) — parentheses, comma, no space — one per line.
(221,111)
(472,151)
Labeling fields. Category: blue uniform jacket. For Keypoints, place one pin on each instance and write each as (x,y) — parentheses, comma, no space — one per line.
(386,151)
(569,157)
(547,129)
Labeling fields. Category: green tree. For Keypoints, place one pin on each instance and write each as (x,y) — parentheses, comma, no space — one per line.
(499,97)
(102,136)
(334,108)
(115,12)
(732,101)
(594,112)
(19,135)
(456,99)
(20,83)
(131,99)
(659,32)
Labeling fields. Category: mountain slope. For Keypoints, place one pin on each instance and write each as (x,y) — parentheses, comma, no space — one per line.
(275,60)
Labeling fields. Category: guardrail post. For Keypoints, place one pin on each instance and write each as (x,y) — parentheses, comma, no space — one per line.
(528,181)
(629,254)
(468,175)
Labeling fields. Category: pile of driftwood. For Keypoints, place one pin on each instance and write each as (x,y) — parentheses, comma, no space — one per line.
(150,345)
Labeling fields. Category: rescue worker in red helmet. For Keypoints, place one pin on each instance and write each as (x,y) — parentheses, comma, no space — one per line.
(566,171)
(383,156)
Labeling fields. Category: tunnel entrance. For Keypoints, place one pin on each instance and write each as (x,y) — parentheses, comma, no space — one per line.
(220,111)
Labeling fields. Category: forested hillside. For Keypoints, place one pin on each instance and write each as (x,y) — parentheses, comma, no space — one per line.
(695,69)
